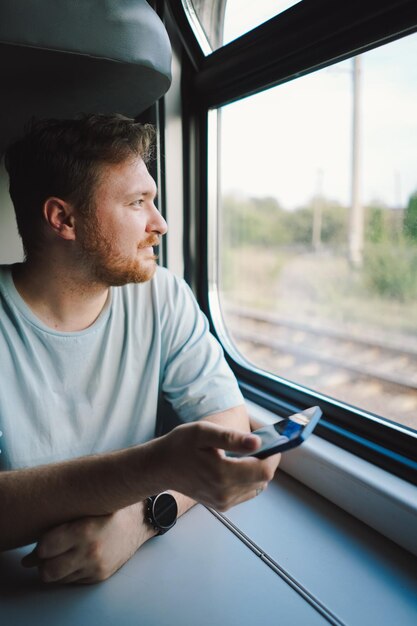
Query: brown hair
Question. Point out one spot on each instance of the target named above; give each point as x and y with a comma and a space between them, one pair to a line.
62, 158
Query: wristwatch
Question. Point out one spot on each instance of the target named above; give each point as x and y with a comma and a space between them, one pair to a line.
161, 512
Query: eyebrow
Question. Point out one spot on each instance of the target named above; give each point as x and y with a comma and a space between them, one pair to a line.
139, 192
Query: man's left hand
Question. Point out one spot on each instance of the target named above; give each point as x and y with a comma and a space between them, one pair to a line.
90, 549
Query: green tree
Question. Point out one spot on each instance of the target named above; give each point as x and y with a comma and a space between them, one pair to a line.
376, 224
334, 224
410, 218
252, 221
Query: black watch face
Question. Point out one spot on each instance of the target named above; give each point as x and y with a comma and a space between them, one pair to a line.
165, 510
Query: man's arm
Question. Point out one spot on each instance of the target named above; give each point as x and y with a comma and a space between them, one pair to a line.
236, 417
92, 548
188, 460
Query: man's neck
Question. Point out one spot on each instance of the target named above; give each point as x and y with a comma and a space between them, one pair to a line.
62, 298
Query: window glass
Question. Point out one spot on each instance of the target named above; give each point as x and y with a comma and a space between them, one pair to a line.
317, 230
218, 22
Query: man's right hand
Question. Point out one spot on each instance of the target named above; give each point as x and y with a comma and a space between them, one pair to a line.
193, 462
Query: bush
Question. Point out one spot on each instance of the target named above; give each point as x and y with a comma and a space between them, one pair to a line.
391, 270
410, 218
253, 222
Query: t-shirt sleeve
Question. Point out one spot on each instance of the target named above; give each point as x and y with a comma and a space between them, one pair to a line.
197, 381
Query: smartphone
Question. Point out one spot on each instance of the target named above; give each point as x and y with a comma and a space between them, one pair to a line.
285, 434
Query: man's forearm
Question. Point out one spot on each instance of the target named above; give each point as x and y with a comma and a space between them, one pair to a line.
237, 417
36, 499
187, 460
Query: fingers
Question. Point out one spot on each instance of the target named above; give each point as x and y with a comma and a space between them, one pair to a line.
269, 467
249, 470
100, 545
203, 471
56, 541
240, 497
76, 577
259, 490
58, 568
53, 543
273, 462
56, 556
70, 567
214, 436
235, 480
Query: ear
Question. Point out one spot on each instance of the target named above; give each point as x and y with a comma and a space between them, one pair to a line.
59, 215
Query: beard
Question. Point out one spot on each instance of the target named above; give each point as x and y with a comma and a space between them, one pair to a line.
108, 266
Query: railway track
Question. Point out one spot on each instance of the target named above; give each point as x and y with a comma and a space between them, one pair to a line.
374, 373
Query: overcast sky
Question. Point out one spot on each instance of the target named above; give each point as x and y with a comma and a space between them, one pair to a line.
295, 140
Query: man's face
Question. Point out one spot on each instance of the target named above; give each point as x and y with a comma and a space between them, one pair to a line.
115, 241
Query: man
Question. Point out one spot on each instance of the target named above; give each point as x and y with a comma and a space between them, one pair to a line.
91, 334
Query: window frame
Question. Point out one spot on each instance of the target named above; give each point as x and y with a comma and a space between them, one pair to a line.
306, 37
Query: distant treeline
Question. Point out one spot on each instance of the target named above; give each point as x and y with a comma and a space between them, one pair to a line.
262, 221
389, 266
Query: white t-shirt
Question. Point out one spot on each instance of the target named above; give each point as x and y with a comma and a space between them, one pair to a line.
68, 394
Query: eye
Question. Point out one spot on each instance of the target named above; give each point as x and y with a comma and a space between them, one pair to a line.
137, 203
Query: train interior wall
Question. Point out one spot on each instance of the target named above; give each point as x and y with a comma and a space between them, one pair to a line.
11, 249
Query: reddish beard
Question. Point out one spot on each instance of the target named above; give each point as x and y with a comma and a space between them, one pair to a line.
111, 267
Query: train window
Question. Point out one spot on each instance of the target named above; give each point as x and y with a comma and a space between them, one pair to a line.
317, 230
219, 22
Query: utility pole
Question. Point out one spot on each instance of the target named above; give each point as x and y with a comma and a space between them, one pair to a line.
317, 212
356, 222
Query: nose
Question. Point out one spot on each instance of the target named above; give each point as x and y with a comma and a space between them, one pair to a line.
157, 223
